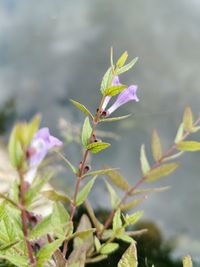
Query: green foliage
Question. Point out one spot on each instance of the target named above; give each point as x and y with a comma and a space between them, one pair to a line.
82, 195
129, 258
97, 147
163, 170
86, 132
114, 90
82, 108
55, 239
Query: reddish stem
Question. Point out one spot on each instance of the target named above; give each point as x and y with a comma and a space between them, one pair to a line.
168, 153
25, 220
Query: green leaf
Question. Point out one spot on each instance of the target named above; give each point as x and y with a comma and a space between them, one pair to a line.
107, 79
115, 118
187, 261
156, 146
15, 148
117, 222
98, 172
82, 195
179, 135
121, 61
127, 66
132, 219
86, 132
96, 259
196, 129
115, 200
124, 237
163, 170
85, 235
17, 260
47, 251
118, 180
114, 90
188, 119
35, 188
55, 196
188, 146
32, 128
41, 229
143, 160
59, 218
129, 258
150, 190
97, 147
132, 204
174, 156
70, 165
82, 108
97, 244
109, 248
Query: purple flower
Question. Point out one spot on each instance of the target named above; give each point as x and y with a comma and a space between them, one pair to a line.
128, 94
42, 142
115, 82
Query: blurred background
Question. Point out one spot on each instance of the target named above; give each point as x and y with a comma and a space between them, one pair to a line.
53, 50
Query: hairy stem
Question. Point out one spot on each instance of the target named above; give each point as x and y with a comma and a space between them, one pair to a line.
24, 219
81, 169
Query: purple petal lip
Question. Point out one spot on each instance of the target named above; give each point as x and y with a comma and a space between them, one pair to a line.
128, 94
42, 142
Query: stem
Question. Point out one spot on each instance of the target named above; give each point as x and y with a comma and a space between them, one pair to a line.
24, 219
168, 153
81, 170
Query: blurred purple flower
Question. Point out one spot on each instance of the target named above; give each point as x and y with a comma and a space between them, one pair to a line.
128, 94
42, 142
115, 82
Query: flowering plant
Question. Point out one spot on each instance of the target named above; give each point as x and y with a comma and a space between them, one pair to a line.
31, 239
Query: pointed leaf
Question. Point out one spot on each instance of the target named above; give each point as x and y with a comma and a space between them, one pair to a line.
47, 251
82, 108
98, 172
82, 195
118, 180
188, 146
70, 165
156, 146
163, 170
150, 190
117, 222
132, 204
15, 149
188, 119
41, 229
132, 219
115, 118
96, 259
114, 90
144, 161
59, 217
129, 258
86, 132
187, 261
97, 147
121, 61
107, 79
179, 134
56, 196
124, 237
97, 243
113, 195
109, 248
127, 66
